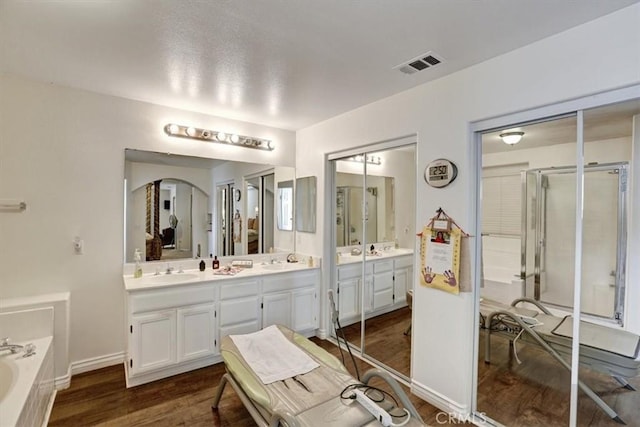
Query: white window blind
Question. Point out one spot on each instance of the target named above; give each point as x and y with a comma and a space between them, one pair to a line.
501, 199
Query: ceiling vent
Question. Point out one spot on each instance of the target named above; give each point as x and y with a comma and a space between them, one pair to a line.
419, 63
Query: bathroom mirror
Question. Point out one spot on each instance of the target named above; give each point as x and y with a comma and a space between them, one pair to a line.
198, 217
285, 205
305, 202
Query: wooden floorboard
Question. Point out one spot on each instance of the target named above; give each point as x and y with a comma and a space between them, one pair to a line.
534, 393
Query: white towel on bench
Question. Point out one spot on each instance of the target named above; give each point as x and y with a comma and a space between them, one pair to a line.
272, 356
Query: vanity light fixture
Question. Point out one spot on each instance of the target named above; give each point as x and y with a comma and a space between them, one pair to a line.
372, 160
208, 135
511, 138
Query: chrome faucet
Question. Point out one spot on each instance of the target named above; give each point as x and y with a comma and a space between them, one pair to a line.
169, 269
13, 348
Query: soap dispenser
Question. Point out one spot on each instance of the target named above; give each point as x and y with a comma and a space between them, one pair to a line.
138, 270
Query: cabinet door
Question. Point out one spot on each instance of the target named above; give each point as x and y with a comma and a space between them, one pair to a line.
402, 284
240, 316
153, 336
304, 310
349, 299
382, 290
196, 332
276, 309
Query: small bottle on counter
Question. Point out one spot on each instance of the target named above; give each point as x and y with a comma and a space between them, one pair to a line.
216, 263
310, 262
202, 265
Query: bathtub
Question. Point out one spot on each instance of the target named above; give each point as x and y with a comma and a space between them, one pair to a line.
501, 284
27, 385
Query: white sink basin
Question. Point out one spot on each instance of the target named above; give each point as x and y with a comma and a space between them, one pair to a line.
172, 278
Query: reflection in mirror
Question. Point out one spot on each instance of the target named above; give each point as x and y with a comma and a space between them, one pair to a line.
224, 214
260, 213
205, 214
171, 210
378, 204
373, 285
306, 204
285, 205
528, 209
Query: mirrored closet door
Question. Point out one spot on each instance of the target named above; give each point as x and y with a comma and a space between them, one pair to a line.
540, 200
374, 238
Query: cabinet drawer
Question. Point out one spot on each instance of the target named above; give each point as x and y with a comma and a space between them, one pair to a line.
161, 299
382, 266
405, 261
288, 281
352, 271
239, 289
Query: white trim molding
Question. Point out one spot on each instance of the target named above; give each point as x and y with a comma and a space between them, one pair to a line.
94, 363
440, 401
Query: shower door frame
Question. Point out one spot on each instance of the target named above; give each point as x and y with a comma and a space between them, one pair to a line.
540, 208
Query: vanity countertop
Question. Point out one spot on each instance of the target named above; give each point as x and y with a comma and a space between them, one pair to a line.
347, 258
152, 281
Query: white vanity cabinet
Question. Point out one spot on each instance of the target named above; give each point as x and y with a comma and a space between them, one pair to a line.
171, 330
382, 284
177, 328
348, 291
383, 288
239, 307
153, 337
291, 300
403, 278
196, 334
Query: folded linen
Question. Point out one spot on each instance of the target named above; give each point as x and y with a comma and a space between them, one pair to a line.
272, 356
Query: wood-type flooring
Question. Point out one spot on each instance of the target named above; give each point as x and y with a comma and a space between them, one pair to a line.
534, 393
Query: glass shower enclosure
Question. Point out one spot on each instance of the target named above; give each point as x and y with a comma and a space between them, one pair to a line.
548, 230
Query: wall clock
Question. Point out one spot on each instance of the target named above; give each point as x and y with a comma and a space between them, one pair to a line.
440, 173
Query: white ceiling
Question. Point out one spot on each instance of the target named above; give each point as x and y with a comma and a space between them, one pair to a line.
284, 63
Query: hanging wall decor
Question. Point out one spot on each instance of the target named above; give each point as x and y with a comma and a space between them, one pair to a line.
440, 249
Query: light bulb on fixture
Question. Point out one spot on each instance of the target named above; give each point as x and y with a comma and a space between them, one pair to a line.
209, 135
511, 138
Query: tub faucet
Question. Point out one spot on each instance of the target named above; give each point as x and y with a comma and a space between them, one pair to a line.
169, 269
13, 348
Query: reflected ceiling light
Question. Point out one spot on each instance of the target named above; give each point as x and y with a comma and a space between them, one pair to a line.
172, 129
371, 160
180, 131
511, 138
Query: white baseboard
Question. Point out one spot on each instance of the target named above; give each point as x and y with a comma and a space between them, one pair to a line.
439, 400
63, 382
94, 363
